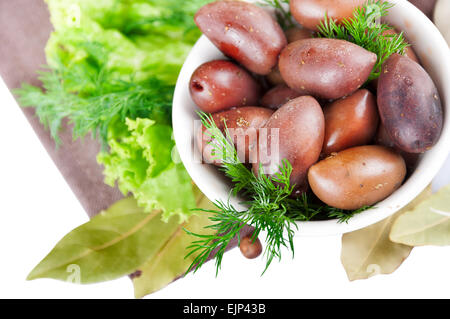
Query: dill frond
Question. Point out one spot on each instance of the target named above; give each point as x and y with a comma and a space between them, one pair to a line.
90, 98
271, 209
364, 30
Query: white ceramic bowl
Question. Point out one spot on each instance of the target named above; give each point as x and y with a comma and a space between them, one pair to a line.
434, 53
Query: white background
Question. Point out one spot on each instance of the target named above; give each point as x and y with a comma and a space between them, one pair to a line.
38, 208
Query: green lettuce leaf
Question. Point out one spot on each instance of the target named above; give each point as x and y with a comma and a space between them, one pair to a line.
140, 161
113, 60
143, 37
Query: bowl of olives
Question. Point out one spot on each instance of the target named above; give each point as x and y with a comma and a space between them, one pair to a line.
362, 130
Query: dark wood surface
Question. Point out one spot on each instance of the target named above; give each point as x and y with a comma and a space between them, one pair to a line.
24, 30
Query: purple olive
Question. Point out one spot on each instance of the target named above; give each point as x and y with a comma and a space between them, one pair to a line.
243, 32
326, 68
279, 96
409, 105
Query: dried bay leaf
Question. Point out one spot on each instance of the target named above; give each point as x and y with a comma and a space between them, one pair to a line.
426, 224
109, 246
369, 251
123, 239
170, 262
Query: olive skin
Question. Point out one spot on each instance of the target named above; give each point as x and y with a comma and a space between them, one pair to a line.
301, 129
309, 13
296, 34
250, 249
351, 121
278, 96
245, 121
274, 77
357, 177
219, 85
409, 105
383, 138
292, 35
244, 32
326, 68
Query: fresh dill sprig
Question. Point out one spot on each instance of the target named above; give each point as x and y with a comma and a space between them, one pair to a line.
91, 98
364, 30
343, 216
284, 16
270, 206
266, 210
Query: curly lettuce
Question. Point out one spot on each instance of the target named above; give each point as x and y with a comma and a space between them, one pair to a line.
140, 161
112, 68
143, 37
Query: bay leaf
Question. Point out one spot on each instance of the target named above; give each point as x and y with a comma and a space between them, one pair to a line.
109, 246
170, 262
369, 251
427, 224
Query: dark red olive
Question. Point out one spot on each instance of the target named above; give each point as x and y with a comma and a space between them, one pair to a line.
243, 124
326, 68
278, 96
292, 35
310, 13
295, 133
295, 34
274, 77
250, 248
219, 85
351, 121
244, 32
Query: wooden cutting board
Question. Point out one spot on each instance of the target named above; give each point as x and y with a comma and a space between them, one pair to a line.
24, 30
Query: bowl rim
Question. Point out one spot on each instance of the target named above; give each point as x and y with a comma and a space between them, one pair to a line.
415, 184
